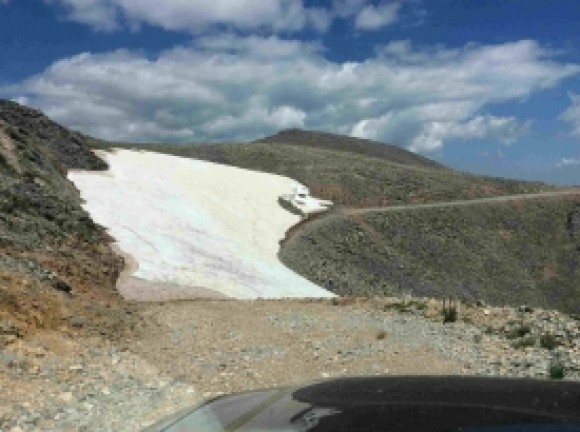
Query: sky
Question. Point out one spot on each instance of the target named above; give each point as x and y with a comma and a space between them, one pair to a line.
490, 87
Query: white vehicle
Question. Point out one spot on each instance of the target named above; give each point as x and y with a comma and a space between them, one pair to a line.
301, 200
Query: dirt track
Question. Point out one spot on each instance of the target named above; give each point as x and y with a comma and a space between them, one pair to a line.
461, 203
322, 218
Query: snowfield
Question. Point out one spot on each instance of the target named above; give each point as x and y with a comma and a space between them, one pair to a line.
191, 228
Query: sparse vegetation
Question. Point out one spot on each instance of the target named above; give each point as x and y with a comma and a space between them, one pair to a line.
524, 342
549, 341
51, 252
519, 332
450, 310
404, 306
556, 370
449, 314
458, 251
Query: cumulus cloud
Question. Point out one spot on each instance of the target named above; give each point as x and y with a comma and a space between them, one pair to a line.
235, 88
572, 114
101, 15
374, 17
196, 16
566, 162
505, 129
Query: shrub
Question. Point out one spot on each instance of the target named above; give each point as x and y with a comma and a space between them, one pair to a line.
450, 314
407, 306
450, 310
549, 341
523, 342
381, 335
467, 320
519, 332
556, 370
489, 330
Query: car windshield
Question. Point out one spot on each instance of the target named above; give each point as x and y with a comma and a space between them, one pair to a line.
211, 206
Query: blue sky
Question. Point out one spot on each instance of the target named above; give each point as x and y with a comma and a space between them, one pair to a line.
483, 86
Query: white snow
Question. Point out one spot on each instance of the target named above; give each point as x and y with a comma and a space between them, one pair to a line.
191, 223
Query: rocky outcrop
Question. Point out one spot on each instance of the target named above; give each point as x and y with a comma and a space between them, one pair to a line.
68, 147
53, 258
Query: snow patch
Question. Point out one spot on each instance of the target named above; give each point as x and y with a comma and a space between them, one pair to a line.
191, 223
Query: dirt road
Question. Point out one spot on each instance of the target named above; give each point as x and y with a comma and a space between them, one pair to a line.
462, 203
323, 218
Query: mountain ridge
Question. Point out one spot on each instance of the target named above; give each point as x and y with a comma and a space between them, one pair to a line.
363, 146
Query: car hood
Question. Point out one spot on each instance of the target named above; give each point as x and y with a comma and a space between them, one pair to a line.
391, 404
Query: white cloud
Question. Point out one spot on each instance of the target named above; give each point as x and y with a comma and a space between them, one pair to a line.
196, 16
566, 162
572, 114
231, 88
375, 17
504, 129
101, 15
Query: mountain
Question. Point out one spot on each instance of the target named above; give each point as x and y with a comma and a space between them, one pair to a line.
358, 174
329, 141
54, 260
503, 253
496, 252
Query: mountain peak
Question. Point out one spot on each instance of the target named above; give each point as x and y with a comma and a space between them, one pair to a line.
331, 141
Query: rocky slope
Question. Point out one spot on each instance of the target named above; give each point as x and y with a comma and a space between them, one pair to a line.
184, 352
504, 253
56, 265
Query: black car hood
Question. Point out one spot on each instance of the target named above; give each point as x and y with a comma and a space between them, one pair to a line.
392, 404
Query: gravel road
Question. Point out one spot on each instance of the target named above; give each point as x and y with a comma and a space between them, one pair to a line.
183, 352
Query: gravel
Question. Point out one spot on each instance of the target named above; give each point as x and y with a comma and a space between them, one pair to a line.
184, 352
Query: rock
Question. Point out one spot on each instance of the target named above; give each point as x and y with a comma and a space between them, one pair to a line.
78, 321
61, 285
11, 359
66, 397
7, 339
8, 327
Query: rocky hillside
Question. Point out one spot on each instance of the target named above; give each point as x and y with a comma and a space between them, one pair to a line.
525, 251
54, 260
351, 172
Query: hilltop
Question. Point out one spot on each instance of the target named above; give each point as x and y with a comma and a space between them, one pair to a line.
349, 171
365, 147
